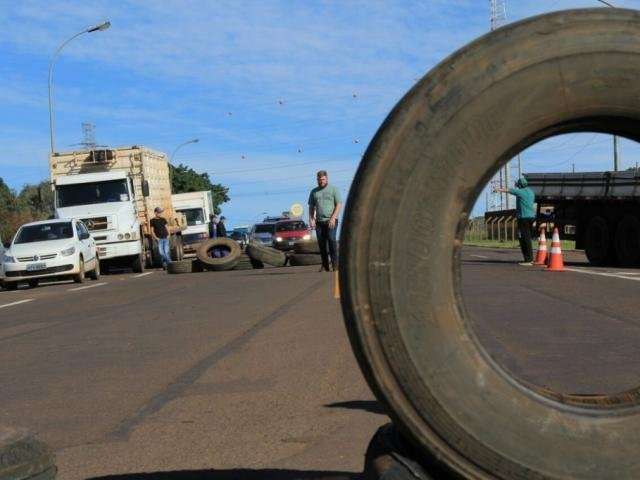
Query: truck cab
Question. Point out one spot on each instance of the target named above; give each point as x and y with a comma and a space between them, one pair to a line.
105, 202
197, 208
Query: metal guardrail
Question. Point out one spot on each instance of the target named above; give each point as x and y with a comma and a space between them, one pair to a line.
498, 228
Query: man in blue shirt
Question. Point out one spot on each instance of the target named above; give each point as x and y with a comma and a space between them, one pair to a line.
526, 215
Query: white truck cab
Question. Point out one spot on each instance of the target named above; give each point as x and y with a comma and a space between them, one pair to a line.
105, 202
196, 207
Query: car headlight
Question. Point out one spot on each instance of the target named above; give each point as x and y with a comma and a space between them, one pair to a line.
307, 237
120, 236
68, 251
127, 236
8, 259
278, 239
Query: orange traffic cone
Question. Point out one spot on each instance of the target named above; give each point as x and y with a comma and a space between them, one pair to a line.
556, 264
541, 256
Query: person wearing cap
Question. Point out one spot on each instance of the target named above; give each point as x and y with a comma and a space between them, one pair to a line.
160, 233
526, 215
324, 207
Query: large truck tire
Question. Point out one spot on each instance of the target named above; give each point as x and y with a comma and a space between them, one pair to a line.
309, 246
244, 263
598, 244
300, 259
404, 227
177, 248
180, 266
627, 241
138, 263
22, 457
205, 254
268, 255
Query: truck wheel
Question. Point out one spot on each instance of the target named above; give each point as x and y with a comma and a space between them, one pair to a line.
147, 246
627, 241
22, 457
402, 237
10, 286
267, 255
598, 242
137, 264
34, 283
80, 276
228, 249
177, 249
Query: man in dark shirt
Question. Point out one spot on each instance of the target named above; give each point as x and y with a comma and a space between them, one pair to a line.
160, 233
221, 228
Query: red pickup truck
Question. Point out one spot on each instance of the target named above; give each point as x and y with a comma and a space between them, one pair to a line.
287, 232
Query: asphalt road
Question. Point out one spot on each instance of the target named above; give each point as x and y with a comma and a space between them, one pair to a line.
246, 372
576, 331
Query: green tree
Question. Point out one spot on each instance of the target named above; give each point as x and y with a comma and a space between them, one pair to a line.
37, 200
186, 179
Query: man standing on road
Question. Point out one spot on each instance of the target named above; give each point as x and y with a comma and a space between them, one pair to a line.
221, 228
212, 225
160, 233
525, 214
324, 207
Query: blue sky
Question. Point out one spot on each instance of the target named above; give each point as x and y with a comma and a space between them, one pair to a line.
274, 90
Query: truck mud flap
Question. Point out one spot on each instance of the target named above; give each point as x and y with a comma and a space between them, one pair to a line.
407, 212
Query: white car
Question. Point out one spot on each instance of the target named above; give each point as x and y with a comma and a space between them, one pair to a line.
51, 249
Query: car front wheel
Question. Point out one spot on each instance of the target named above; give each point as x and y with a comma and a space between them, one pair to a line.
79, 277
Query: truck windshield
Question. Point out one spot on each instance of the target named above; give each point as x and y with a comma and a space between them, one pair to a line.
195, 216
44, 232
95, 192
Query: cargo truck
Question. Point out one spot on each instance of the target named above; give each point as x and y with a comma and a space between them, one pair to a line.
114, 192
196, 207
599, 210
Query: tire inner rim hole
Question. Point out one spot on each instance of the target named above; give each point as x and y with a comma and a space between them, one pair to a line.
573, 335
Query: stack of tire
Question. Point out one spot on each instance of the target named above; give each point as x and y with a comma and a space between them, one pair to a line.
305, 253
218, 255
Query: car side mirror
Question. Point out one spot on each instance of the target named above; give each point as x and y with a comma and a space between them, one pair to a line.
145, 188
84, 236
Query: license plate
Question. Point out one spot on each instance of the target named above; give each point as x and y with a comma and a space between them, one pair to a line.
291, 244
33, 267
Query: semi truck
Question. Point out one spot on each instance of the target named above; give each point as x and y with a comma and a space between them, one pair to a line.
197, 208
114, 191
599, 210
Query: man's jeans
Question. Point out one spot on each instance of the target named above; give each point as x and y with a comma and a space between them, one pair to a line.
165, 250
327, 241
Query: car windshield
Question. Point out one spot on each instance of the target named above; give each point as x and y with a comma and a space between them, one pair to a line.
195, 216
265, 228
44, 232
290, 226
93, 192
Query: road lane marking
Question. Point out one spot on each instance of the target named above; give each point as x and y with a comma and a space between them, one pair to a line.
16, 303
603, 274
88, 286
479, 256
143, 274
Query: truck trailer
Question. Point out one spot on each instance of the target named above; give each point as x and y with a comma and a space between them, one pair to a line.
599, 210
197, 208
114, 192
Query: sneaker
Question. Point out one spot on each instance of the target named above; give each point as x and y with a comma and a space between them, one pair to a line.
526, 264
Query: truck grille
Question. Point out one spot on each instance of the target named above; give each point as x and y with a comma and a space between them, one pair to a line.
97, 223
48, 256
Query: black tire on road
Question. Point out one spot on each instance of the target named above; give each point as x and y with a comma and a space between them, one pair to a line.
598, 244
138, 262
402, 236
180, 266
34, 282
177, 247
23, 457
310, 246
627, 241
268, 255
300, 259
244, 263
205, 254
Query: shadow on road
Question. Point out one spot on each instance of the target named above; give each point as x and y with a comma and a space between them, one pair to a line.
235, 474
367, 405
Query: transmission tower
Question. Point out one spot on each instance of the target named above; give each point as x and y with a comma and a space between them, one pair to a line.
499, 201
88, 136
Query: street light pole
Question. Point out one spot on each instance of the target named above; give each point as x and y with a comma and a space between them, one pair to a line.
173, 154
96, 28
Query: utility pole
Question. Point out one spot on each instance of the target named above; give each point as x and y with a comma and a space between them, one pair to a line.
573, 168
519, 167
615, 153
